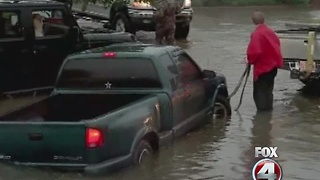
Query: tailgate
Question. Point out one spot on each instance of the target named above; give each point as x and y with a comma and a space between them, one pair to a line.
42, 143
294, 46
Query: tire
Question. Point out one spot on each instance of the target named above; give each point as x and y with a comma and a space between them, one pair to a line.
121, 21
311, 88
222, 108
143, 149
182, 31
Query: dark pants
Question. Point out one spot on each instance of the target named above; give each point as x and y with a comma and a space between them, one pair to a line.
165, 32
263, 91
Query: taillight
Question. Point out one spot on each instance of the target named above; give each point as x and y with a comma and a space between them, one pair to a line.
109, 54
94, 138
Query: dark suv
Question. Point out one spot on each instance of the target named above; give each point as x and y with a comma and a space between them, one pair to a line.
35, 37
131, 16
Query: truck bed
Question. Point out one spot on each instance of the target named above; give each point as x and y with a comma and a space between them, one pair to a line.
59, 137
71, 108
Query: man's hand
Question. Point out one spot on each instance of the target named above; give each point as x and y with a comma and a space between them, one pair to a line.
245, 60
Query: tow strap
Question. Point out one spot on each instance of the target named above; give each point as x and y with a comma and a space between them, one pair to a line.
245, 75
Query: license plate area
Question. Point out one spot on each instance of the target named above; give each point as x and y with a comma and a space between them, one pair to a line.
294, 74
303, 66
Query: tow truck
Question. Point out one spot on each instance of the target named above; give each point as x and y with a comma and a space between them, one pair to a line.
301, 53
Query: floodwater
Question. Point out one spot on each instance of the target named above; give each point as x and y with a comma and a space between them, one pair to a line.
225, 150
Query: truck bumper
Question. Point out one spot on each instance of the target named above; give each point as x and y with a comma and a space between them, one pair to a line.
102, 168
144, 19
109, 166
297, 72
185, 17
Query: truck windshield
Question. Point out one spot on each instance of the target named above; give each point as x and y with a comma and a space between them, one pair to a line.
115, 73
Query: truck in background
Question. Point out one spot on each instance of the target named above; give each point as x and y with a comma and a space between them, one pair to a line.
30, 61
134, 15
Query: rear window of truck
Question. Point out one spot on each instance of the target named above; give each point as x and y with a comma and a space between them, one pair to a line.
115, 73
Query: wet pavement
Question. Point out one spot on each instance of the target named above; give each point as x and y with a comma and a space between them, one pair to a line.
225, 150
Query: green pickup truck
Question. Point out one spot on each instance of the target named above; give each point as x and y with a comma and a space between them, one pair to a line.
111, 106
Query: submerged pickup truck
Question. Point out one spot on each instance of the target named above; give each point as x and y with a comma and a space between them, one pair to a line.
112, 106
31, 54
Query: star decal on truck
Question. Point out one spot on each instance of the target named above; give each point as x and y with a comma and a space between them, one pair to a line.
108, 85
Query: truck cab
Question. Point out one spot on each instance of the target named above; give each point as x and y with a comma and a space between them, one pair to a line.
35, 37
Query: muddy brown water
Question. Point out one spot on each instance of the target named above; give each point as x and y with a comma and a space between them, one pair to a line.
224, 150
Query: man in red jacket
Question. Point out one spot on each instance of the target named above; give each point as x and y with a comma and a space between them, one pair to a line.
264, 53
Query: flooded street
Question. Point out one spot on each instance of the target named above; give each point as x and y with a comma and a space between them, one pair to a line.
225, 150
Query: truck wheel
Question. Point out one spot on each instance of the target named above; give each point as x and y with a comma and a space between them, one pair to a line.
121, 23
182, 31
222, 108
311, 87
142, 151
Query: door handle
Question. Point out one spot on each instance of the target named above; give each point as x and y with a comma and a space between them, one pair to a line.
25, 50
39, 47
35, 136
305, 41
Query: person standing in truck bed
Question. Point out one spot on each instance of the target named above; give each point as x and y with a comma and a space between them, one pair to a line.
166, 21
264, 53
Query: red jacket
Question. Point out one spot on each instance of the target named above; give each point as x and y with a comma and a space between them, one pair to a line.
264, 51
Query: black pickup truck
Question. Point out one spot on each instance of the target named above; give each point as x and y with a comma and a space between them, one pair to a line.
31, 54
111, 106
134, 15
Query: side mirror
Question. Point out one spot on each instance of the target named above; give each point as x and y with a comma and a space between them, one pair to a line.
209, 74
69, 4
76, 17
74, 32
173, 69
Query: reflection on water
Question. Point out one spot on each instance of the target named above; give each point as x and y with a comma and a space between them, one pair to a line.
261, 137
218, 41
